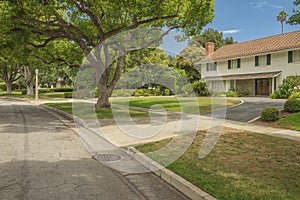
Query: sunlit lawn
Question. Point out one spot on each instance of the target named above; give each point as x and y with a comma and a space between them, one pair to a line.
187, 105
243, 165
292, 122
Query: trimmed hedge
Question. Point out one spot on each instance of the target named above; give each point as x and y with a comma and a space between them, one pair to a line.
68, 94
49, 90
270, 114
292, 105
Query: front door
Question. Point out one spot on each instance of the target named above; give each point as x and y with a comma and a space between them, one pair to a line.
262, 86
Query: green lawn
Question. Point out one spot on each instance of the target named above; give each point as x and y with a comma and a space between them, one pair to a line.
291, 122
187, 104
242, 165
86, 110
17, 94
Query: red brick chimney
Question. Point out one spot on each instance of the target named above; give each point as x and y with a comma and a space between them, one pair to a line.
210, 48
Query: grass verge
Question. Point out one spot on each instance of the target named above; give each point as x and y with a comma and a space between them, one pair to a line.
187, 105
87, 110
243, 165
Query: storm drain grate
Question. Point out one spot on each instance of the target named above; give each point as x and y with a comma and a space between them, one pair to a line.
107, 157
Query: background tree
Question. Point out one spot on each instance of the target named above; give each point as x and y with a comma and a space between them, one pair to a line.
210, 35
282, 18
87, 23
295, 17
187, 58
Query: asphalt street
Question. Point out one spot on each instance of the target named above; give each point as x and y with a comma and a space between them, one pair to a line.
43, 158
249, 110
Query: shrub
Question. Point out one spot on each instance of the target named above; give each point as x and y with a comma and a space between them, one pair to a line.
289, 84
167, 92
292, 105
200, 88
270, 114
273, 96
231, 94
242, 92
68, 94
61, 89
296, 95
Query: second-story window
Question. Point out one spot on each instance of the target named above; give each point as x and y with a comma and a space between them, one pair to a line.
211, 66
234, 64
263, 60
294, 56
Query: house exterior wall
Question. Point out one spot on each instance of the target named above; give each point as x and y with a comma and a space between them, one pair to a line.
279, 62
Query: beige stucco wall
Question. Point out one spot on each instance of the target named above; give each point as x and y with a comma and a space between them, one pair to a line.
279, 62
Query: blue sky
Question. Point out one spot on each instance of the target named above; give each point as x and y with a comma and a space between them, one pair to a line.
244, 20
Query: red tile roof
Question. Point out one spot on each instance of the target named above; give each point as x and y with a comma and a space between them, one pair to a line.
255, 47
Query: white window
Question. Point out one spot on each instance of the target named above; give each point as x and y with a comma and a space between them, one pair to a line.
211, 66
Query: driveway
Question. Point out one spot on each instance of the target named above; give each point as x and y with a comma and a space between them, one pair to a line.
249, 110
43, 158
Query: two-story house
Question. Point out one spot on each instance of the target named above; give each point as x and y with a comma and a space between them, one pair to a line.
258, 66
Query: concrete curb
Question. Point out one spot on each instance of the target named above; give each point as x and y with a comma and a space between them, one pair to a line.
170, 177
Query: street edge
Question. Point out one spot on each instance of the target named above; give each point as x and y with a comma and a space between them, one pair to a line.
170, 177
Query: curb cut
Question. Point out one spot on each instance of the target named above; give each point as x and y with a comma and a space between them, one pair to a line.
170, 177
187, 188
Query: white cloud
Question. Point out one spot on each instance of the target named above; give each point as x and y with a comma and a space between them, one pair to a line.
260, 5
232, 31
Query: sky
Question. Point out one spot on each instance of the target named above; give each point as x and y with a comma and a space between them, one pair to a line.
244, 20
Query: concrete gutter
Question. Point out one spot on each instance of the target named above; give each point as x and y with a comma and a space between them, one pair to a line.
187, 188
170, 177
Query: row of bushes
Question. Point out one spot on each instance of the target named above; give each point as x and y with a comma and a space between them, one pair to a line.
49, 90
292, 105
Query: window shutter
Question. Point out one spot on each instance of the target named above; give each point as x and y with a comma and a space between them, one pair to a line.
238, 63
229, 64
269, 59
207, 67
256, 61
290, 56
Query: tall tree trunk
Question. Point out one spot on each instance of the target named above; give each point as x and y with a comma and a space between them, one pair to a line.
28, 75
29, 88
8, 87
105, 88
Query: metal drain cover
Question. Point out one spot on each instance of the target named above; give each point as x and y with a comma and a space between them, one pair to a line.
107, 157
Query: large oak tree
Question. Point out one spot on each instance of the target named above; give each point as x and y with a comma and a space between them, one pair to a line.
88, 23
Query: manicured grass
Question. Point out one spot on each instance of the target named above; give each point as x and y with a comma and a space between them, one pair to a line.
187, 105
87, 110
243, 165
291, 122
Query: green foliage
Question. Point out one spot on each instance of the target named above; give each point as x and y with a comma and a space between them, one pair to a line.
292, 105
242, 92
2, 87
270, 114
200, 88
123, 93
295, 95
288, 86
49, 90
166, 92
211, 35
231, 94
295, 17
68, 94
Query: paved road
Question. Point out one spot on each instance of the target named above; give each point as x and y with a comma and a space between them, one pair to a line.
249, 110
43, 158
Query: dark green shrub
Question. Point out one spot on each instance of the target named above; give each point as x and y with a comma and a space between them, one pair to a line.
68, 94
61, 90
270, 114
200, 88
292, 105
2, 86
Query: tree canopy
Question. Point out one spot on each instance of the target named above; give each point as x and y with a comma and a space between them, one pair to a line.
84, 24
295, 17
211, 35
